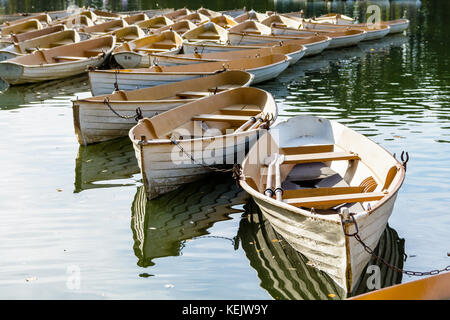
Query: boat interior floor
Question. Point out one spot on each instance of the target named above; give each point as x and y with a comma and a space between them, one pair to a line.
317, 175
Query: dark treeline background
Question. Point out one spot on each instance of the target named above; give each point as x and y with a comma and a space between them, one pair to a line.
311, 8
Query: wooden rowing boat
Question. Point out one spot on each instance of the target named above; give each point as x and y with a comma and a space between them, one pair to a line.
252, 32
23, 27
45, 42
396, 26
135, 54
105, 81
339, 38
129, 33
293, 51
107, 15
284, 26
209, 13
16, 38
149, 13
373, 32
175, 15
314, 180
314, 45
163, 227
224, 21
76, 21
195, 18
286, 274
154, 23
207, 31
105, 28
215, 130
43, 18
436, 287
133, 19
234, 13
37, 33
94, 121
180, 27
57, 63
250, 15
276, 20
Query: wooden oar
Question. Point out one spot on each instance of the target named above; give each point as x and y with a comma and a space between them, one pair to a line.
269, 192
278, 189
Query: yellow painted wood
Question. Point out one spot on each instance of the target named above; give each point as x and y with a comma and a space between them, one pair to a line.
334, 200
319, 157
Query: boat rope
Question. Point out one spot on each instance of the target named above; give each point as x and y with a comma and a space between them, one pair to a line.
383, 261
137, 116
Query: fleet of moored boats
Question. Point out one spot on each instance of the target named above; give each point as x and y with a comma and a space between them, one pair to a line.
184, 75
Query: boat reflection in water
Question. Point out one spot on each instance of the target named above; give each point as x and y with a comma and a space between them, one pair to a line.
162, 226
56, 93
287, 275
105, 165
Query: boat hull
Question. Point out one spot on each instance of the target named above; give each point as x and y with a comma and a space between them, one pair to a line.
335, 42
311, 48
95, 122
19, 74
104, 82
131, 60
164, 168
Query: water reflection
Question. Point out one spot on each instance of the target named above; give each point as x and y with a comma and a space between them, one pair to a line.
162, 226
286, 274
105, 165
49, 93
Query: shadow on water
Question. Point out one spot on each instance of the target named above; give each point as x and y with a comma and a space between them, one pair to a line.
162, 226
286, 274
104, 165
49, 93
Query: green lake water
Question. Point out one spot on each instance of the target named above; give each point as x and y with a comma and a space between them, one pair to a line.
67, 210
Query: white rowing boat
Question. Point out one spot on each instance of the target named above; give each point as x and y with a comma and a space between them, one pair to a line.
136, 18
41, 43
396, 26
106, 81
250, 15
175, 15
135, 54
154, 23
373, 31
208, 31
95, 120
293, 51
196, 18
314, 45
214, 131
314, 180
23, 27
180, 27
209, 13
224, 21
254, 33
57, 63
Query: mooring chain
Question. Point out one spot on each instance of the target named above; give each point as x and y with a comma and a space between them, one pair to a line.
190, 156
137, 116
383, 261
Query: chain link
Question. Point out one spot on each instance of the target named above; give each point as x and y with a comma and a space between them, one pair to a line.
136, 116
395, 268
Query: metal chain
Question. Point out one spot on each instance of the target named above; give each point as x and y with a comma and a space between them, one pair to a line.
395, 268
136, 116
199, 163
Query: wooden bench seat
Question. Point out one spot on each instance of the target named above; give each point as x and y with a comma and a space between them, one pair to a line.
329, 201
307, 149
69, 58
151, 50
319, 157
233, 120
